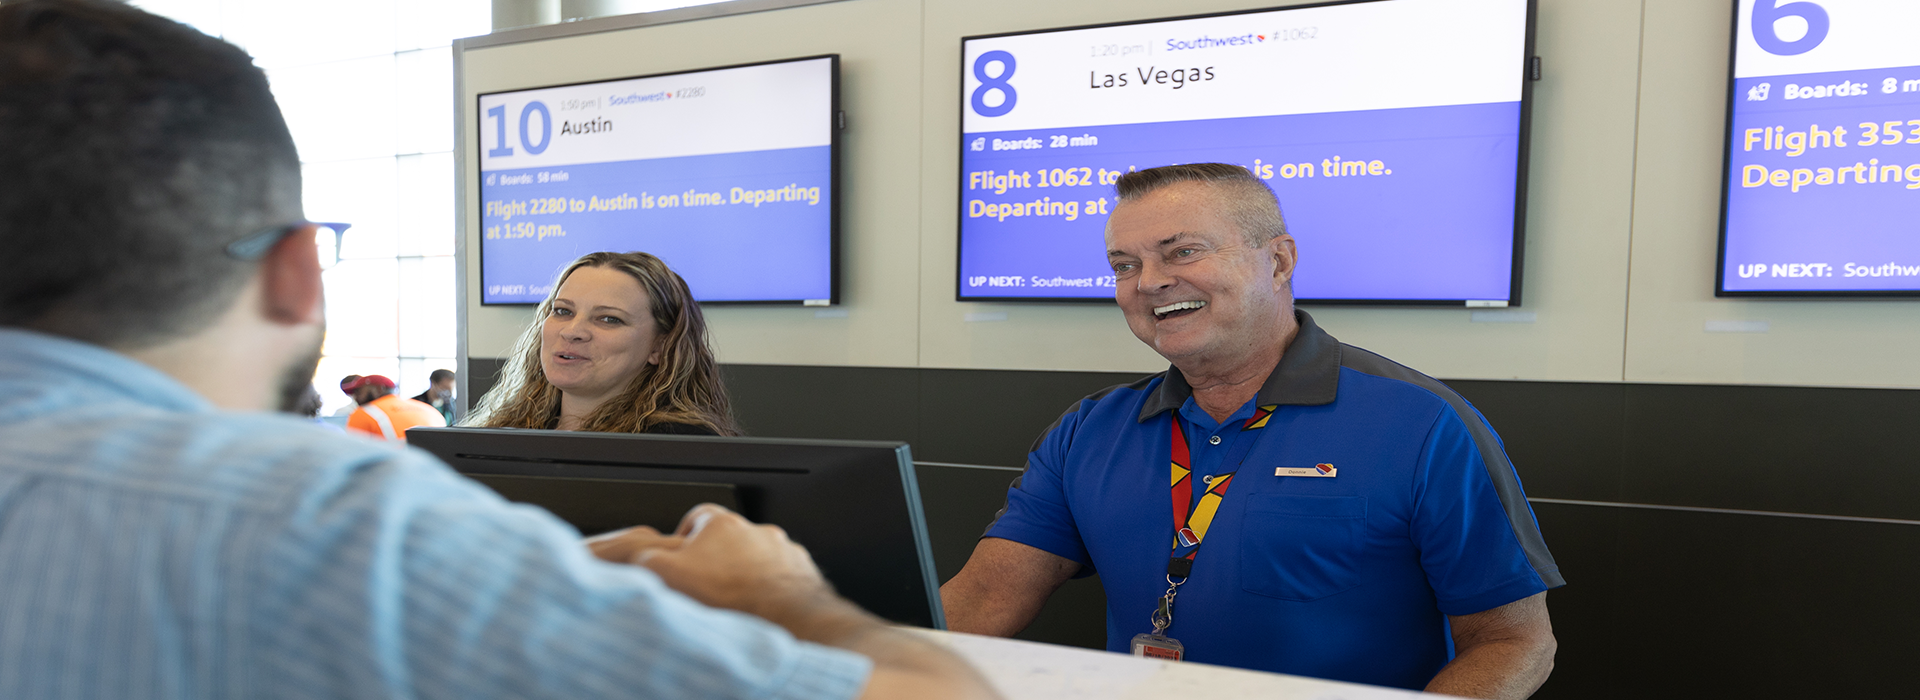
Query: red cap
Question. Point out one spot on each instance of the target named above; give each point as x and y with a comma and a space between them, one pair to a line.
370, 380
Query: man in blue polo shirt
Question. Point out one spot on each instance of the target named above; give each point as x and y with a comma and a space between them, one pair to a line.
1276, 500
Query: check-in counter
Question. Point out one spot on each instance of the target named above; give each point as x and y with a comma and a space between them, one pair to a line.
1023, 670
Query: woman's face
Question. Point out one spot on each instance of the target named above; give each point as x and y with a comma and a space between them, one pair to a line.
600, 335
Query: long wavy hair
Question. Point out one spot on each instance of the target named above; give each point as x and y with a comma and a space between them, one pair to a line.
684, 388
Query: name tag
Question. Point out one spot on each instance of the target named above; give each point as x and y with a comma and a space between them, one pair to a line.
1322, 469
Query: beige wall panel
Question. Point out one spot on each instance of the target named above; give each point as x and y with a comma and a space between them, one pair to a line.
1625, 170
878, 43
1676, 234
1578, 220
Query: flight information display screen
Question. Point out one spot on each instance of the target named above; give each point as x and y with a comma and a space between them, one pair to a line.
1393, 132
1822, 190
727, 174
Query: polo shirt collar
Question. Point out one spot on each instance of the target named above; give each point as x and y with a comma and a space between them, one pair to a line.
1308, 375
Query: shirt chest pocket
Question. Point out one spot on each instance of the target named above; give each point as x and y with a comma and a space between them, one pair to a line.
1302, 548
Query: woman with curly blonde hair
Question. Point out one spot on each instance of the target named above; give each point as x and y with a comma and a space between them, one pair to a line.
618, 346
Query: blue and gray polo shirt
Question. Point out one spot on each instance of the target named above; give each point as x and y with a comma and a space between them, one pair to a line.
1347, 577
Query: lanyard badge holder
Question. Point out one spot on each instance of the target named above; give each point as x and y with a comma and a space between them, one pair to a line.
1190, 523
1156, 644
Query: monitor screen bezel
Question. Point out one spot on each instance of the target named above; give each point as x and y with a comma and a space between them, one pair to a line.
1726, 200
693, 470
1524, 70
834, 127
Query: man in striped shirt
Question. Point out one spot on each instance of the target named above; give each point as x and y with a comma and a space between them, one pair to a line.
163, 535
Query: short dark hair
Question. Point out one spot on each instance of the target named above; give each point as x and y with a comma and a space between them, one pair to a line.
439, 374
136, 149
1250, 203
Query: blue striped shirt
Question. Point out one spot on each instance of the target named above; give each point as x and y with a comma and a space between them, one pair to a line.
153, 546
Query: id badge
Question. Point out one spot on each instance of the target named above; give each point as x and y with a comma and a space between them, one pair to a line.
1155, 646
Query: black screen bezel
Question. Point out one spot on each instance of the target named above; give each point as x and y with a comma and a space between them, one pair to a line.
833, 157
1726, 196
1520, 181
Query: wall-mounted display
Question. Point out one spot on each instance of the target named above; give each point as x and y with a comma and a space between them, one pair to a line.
1822, 189
727, 174
1393, 131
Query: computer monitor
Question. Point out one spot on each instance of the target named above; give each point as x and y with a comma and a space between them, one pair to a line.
855, 505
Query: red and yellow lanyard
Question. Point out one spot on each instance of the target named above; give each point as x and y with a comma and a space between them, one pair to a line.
1192, 519
1190, 523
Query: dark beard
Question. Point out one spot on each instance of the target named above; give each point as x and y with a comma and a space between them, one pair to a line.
297, 379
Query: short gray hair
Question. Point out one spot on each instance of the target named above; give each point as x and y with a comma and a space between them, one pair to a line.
1250, 204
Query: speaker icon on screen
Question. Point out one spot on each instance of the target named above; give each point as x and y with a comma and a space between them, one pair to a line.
980, 144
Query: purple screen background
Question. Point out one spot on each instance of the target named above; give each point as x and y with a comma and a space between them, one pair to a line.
1871, 225
1439, 227
777, 251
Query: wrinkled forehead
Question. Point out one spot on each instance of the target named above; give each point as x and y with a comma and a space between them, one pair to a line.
1183, 211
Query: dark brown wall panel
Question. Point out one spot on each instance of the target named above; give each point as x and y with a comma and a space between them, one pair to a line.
1660, 603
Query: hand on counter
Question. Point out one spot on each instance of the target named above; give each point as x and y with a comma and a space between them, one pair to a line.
721, 559
625, 546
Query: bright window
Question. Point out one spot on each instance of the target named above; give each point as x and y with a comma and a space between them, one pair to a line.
367, 89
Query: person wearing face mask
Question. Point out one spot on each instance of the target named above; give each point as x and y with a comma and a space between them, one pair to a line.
439, 393
619, 346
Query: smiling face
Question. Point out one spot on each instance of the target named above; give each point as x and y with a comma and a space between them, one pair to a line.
600, 335
1190, 284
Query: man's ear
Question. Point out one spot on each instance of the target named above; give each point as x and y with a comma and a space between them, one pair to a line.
290, 280
1285, 257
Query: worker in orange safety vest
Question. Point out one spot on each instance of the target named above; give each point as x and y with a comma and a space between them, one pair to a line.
384, 415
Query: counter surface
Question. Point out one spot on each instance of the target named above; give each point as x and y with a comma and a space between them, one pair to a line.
1023, 670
